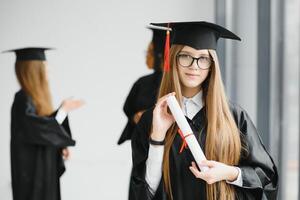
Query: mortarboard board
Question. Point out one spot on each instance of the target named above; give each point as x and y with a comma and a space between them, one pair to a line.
199, 35
30, 53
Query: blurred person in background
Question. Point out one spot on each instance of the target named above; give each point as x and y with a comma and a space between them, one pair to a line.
144, 91
40, 135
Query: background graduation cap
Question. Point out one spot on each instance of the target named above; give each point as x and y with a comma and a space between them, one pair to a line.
198, 35
30, 53
158, 41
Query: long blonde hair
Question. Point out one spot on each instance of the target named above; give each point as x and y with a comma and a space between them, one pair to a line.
223, 143
31, 75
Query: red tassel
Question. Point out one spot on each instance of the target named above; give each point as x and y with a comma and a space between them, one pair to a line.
167, 53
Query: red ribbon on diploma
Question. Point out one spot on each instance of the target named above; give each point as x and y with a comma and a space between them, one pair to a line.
184, 144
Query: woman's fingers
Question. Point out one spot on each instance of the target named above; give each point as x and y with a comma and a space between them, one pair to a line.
164, 107
194, 164
66, 153
161, 104
164, 98
195, 169
74, 104
70, 105
206, 176
79, 102
196, 172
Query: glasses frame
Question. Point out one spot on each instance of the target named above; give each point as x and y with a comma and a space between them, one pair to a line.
194, 58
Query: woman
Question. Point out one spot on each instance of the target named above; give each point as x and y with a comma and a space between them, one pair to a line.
239, 166
143, 94
39, 135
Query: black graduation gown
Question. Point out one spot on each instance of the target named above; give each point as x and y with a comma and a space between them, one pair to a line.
142, 96
36, 145
259, 172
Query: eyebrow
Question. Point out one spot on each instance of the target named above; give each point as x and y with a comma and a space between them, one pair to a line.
202, 54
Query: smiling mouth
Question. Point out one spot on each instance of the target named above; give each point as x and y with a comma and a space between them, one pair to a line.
192, 75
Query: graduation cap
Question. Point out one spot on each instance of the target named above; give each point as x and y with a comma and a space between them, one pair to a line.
198, 35
30, 53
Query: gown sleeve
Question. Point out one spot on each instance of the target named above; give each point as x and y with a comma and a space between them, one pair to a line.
140, 148
259, 173
65, 122
45, 130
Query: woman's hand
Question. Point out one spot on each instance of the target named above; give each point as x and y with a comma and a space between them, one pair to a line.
71, 104
217, 172
65, 153
162, 120
137, 116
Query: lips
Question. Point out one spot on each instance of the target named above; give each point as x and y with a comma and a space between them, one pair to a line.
192, 75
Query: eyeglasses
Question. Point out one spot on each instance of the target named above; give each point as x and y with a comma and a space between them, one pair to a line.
185, 60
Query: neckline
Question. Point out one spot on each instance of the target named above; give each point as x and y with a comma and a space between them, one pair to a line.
202, 110
196, 99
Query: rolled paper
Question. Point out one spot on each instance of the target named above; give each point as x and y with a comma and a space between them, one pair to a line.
187, 131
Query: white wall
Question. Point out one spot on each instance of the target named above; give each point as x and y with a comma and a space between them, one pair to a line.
100, 53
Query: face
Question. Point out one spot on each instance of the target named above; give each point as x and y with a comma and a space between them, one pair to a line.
149, 56
190, 74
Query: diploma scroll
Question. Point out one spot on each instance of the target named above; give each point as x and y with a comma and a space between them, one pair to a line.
187, 131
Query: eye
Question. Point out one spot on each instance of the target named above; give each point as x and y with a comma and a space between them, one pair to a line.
204, 59
185, 60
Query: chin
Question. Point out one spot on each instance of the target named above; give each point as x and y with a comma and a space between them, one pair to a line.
191, 84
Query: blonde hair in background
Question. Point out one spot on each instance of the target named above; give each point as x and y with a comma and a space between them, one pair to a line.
223, 143
32, 78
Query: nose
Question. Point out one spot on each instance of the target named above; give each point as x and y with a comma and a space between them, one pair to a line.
194, 65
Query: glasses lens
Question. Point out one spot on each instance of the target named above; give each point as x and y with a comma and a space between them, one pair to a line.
185, 60
204, 62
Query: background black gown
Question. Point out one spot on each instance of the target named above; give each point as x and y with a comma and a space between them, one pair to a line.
36, 145
142, 96
259, 173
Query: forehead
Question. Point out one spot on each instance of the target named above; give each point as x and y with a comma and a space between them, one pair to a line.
195, 51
